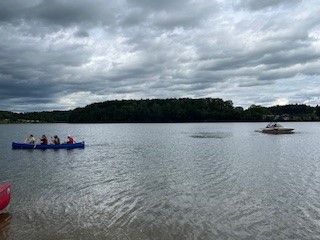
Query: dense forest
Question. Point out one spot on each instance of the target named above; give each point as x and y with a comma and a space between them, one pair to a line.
34, 117
167, 110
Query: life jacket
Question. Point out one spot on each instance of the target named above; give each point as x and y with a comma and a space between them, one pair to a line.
71, 140
44, 141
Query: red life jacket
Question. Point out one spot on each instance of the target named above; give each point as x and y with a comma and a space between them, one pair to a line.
70, 140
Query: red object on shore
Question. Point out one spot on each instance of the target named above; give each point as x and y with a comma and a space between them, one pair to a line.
5, 195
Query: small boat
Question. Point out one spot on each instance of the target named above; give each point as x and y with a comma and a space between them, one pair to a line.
5, 195
16, 145
275, 128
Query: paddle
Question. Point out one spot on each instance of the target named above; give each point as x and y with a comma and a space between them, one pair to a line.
35, 144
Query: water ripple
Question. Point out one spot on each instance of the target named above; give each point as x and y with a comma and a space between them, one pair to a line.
167, 181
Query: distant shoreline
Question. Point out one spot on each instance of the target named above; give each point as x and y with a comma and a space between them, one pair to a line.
182, 110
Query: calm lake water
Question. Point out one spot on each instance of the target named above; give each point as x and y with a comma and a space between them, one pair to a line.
163, 181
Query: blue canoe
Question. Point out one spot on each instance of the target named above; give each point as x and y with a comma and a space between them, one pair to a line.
16, 145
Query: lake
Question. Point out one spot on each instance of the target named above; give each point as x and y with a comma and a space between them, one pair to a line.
163, 181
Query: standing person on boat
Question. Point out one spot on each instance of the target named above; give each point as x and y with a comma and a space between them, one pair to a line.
55, 139
30, 139
44, 140
70, 139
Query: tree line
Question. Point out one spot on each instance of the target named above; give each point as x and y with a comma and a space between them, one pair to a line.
34, 117
167, 110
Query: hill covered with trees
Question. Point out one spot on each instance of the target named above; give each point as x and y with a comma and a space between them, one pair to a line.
167, 110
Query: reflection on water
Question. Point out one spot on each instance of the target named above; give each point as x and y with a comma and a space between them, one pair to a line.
5, 219
164, 181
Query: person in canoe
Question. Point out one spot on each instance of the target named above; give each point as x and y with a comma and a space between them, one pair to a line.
30, 139
70, 140
44, 140
55, 139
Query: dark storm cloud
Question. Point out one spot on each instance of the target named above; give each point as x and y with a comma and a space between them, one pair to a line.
72, 53
14, 10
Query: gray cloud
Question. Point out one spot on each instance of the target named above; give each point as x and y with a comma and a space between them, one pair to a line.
81, 33
262, 4
61, 55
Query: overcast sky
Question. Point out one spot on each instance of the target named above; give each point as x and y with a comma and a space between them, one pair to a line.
63, 54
